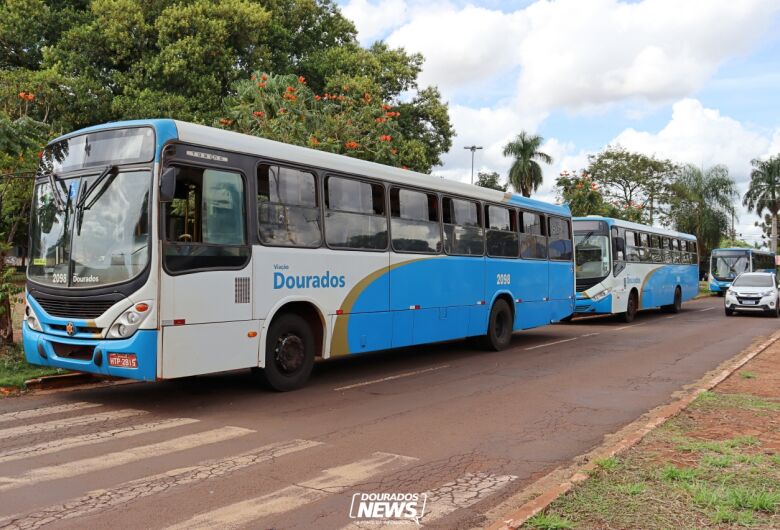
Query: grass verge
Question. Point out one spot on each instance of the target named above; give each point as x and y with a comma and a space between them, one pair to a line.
716, 465
14, 369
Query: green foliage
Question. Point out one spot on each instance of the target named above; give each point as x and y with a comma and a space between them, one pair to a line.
635, 184
583, 195
763, 194
490, 179
525, 174
543, 521
727, 242
702, 204
14, 370
608, 464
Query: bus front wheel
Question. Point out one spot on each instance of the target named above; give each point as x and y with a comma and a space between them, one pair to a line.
631, 308
499, 332
289, 353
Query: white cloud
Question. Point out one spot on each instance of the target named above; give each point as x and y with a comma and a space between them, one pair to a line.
373, 21
581, 53
701, 136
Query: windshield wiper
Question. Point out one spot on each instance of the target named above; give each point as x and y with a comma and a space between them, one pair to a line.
110, 173
59, 202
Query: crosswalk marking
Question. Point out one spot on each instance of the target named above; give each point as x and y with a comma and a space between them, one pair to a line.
45, 411
330, 481
78, 421
462, 492
98, 463
72, 442
99, 500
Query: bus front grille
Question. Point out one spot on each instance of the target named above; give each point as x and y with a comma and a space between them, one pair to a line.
586, 283
74, 308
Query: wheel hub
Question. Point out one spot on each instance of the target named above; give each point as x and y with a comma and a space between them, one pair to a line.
289, 353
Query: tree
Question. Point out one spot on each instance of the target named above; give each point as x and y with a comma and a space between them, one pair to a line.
766, 230
490, 179
525, 175
583, 195
702, 204
763, 194
633, 182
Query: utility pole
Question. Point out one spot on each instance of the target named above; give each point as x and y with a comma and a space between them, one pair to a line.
473, 149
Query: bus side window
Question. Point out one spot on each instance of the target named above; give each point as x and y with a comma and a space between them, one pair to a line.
414, 221
632, 251
355, 214
205, 221
644, 247
667, 249
656, 256
287, 207
502, 238
533, 240
463, 234
559, 241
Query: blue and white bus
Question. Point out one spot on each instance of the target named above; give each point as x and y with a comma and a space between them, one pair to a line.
728, 263
162, 249
623, 267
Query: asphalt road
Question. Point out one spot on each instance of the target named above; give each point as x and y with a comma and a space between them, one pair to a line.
467, 427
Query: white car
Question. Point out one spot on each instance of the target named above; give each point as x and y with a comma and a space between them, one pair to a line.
754, 292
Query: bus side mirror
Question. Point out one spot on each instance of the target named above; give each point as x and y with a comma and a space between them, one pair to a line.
168, 184
620, 245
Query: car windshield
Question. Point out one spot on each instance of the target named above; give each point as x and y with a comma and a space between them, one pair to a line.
591, 255
728, 265
754, 280
104, 241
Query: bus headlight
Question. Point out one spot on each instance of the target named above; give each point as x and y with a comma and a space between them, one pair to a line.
32, 318
127, 323
600, 295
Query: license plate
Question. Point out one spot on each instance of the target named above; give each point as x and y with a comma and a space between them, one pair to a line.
750, 302
123, 360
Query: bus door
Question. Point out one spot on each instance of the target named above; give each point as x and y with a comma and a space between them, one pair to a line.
206, 278
561, 271
533, 284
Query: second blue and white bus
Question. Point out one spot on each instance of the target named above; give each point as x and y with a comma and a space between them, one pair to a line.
728, 263
163, 249
624, 267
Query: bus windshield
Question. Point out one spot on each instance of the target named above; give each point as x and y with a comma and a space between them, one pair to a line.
729, 264
592, 255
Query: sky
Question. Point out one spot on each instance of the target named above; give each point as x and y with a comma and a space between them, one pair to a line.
694, 81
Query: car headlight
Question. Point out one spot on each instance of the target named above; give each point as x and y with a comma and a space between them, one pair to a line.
32, 318
600, 295
770, 292
128, 322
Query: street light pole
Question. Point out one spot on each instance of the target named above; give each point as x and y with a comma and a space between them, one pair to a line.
473, 149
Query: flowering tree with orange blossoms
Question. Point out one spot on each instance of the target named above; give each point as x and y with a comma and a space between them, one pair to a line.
348, 118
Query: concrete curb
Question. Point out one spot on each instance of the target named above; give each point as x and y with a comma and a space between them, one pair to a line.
539, 495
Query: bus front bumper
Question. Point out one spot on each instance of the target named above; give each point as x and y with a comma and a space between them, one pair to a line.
719, 287
585, 305
91, 355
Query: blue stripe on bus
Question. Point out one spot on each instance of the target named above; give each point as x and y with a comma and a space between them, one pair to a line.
442, 298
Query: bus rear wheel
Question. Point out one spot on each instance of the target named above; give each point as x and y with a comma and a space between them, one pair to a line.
499, 332
675, 306
289, 353
631, 308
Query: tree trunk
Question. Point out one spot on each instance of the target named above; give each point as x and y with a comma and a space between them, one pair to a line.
6, 320
773, 241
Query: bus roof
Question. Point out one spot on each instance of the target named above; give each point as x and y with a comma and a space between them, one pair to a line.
744, 249
244, 143
611, 221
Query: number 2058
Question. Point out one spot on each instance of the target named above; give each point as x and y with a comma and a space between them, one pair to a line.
503, 279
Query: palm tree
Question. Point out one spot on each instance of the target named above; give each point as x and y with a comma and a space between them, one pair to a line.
702, 204
525, 175
764, 192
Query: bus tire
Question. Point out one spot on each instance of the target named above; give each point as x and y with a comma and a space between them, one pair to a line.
631, 308
500, 324
289, 353
675, 306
